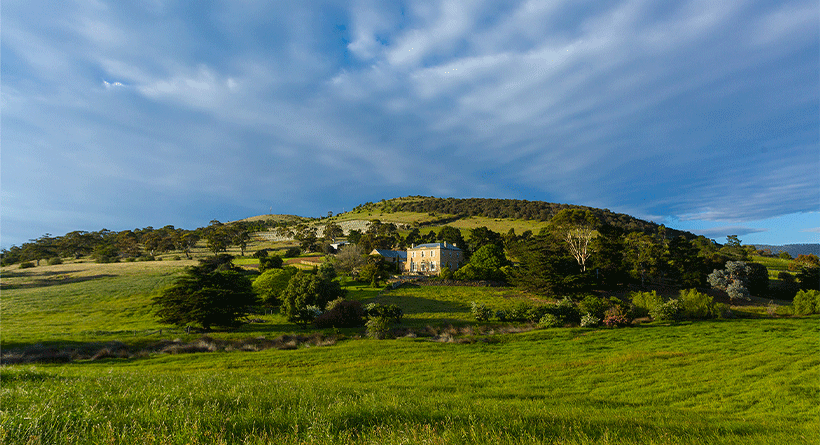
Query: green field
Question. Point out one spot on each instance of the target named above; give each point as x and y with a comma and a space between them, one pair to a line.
744, 380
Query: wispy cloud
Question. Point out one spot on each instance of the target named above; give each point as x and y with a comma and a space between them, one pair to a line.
692, 109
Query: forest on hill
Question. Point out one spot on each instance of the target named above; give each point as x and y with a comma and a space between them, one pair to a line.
513, 209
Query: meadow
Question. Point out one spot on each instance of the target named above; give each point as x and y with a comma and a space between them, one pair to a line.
742, 380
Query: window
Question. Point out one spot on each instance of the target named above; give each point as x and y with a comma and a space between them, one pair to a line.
432, 265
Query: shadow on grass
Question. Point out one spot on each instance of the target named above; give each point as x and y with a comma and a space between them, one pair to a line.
53, 281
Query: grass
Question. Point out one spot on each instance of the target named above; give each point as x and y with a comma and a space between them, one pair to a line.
709, 382
693, 383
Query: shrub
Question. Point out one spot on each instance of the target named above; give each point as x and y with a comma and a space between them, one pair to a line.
270, 262
519, 312
590, 321
549, 321
645, 302
391, 313
55, 261
292, 252
806, 302
666, 311
26, 265
535, 313
378, 327
593, 305
342, 314
446, 273
617, 316
696, 305
480, 311
566, 310
501, 315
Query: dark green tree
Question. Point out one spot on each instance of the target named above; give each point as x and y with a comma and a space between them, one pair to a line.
211, 294
487, 263
451, 235
545, 267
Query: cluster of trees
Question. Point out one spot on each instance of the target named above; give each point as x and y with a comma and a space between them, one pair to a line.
577, 252
109, 246
104, 245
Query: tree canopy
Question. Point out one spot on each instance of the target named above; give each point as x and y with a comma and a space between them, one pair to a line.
211, 294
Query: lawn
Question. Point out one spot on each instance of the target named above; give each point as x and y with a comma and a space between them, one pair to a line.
707, 382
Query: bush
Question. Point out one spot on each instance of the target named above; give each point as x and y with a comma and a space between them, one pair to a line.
480, 311
807, 302
590, 321
668, 311
518, 312
617, 316
535, 313
26, 265
549, 321
342, 314
292, 252
501, 315
645, 302
378, 327
270, 262
594, 306
55, 261
566, 311
697, 305
305, 290
391, 313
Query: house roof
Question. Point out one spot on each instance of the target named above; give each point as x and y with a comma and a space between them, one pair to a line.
444, 246
391, 253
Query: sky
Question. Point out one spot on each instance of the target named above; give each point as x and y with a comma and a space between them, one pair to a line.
702, 115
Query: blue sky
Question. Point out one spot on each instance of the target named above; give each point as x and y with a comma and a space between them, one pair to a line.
702, 115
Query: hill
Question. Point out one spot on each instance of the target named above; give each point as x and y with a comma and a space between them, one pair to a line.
499, 215
793, 249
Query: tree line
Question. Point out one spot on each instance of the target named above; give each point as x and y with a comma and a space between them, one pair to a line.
107, 246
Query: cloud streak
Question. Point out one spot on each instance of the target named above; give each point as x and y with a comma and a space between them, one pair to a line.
688, 110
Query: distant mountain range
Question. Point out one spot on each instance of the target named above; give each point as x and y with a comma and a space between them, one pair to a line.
793, 249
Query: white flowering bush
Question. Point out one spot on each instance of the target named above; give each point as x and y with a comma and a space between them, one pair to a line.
590, 321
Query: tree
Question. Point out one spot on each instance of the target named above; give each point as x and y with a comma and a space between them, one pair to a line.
451, 235
270, 285
577, 228
332, 231
211, 294
482, 236
350, 257
733, 280
306, 291
487, 263
544, 267
218, 237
